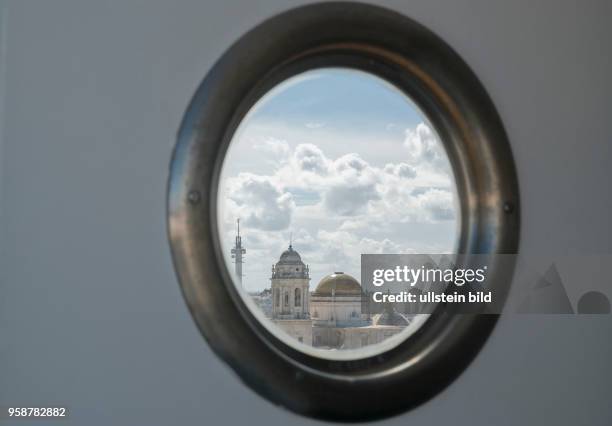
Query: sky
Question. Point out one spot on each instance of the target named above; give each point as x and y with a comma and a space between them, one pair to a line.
342, 163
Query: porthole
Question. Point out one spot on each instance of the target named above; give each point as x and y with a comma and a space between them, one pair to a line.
313, 129
329, 164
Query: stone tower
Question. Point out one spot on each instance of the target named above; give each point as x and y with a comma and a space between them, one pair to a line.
291, 297
290, 281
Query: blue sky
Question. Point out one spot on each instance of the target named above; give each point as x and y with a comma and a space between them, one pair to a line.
347, 164
343, 99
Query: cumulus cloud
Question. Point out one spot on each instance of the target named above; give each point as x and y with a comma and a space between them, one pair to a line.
349, 199
306, 242
402, 170
351, 165
260, 202
423, 147
310, 158
340, 207
369, 245
347, 186
352, 187
437, 204
341, 250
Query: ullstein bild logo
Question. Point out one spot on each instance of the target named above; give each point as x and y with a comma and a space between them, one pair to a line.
424, 283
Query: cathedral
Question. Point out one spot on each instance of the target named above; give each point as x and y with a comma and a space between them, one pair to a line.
331, 316
290, 296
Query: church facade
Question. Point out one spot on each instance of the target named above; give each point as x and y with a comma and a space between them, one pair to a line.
290, 283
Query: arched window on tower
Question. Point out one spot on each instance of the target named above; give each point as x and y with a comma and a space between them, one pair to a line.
298, 297
286, 298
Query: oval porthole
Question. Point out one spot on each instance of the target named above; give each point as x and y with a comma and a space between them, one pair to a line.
326, 133
330, 164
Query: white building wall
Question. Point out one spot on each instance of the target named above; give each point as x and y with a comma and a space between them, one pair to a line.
336, 310
300, 330
285, 304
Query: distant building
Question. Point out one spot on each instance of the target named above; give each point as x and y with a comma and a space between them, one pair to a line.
331, 317
290, 296
338, 320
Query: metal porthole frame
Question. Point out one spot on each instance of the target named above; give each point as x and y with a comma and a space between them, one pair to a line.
418, 62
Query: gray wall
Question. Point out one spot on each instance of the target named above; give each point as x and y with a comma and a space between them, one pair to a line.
91, 316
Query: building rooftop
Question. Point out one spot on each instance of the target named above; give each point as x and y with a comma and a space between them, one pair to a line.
340, 284
290, 257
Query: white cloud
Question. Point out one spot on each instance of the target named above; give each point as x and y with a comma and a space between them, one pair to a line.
402, 170
438, 204
423, 147
276, 148
259, 201
352, 186
310, 158
339, 207
348, 186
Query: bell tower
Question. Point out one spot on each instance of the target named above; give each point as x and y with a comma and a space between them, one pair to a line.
291, 296
290, 282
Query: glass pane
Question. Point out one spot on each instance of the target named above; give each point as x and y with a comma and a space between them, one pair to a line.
331, 164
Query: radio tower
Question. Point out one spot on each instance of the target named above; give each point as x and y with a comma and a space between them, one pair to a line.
237, 252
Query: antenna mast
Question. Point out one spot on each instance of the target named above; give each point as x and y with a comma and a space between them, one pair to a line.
237, 252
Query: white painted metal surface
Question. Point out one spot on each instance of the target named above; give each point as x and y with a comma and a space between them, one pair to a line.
91, 315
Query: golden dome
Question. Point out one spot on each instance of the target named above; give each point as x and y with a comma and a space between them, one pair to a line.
340, 283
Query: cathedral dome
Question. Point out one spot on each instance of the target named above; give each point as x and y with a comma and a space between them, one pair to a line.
290, 257
340, 283
290, 265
